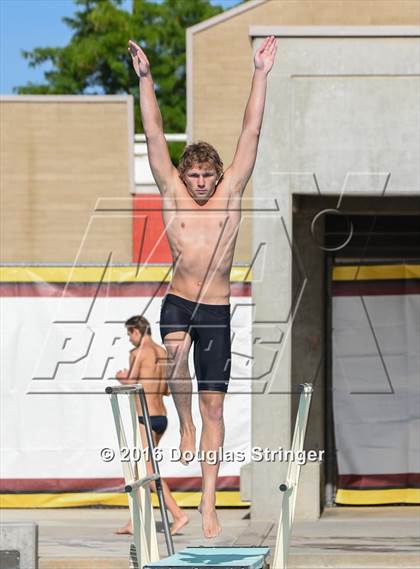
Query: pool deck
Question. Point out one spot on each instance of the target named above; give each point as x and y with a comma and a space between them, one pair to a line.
343, 538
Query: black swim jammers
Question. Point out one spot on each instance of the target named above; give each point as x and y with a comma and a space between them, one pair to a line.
209, 328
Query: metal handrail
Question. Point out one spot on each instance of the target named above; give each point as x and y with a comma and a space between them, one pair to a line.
290, 486
142, 513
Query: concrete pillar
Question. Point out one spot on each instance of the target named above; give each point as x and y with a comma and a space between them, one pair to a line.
331, 127
19, 545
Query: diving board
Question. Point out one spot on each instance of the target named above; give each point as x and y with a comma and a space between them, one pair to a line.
144, 552
215, 557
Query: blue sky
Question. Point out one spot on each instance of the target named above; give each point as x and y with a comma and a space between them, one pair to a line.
25, 24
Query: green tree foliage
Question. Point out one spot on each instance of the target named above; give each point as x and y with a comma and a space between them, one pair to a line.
96, 60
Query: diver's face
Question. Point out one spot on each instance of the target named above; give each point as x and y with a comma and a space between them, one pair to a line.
201, 181
134, 336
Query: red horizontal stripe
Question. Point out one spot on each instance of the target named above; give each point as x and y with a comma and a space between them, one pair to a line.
56, 485
92, 289
382, 288
195, 482
13, 485
383, 481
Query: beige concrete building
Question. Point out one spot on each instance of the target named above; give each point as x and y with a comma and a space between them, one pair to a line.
61, 158
220, 63
341, 119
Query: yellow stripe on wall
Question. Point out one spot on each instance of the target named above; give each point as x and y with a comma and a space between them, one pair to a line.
78, 499
163, 273
143, 273
376, 272
372, 497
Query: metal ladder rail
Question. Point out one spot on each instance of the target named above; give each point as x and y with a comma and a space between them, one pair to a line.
140, 486
146, 548
156, 471
289, 488
137, 480
143, 479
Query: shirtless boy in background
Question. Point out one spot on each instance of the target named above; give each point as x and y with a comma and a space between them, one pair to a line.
147, 366
201, 214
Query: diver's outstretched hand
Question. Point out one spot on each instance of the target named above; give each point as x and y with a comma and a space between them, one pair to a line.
140, 62
265, 55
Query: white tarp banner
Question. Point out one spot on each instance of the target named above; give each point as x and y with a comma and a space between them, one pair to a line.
57, 357
376, 396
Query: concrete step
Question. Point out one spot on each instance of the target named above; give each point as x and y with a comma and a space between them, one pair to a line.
83, 563
355, 561
297, 561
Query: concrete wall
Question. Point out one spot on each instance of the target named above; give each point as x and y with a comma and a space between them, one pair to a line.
220, 64
59, 156
316, 88
19, 545
220, 55
346, 121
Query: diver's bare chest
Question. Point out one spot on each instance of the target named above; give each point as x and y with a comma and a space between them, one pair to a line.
199, 226
192, 222
189, 236
187, 217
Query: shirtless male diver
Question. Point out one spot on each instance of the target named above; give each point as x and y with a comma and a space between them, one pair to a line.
147, 365
201, 214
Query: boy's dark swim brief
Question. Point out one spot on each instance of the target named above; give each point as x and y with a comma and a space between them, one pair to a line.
209, 328
159, 423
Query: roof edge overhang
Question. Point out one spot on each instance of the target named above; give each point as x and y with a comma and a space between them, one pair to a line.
224, 16
233, 12
334, 31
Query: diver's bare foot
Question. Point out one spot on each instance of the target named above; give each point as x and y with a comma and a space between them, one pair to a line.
210, 522
187, 446
125, 530
179, 523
